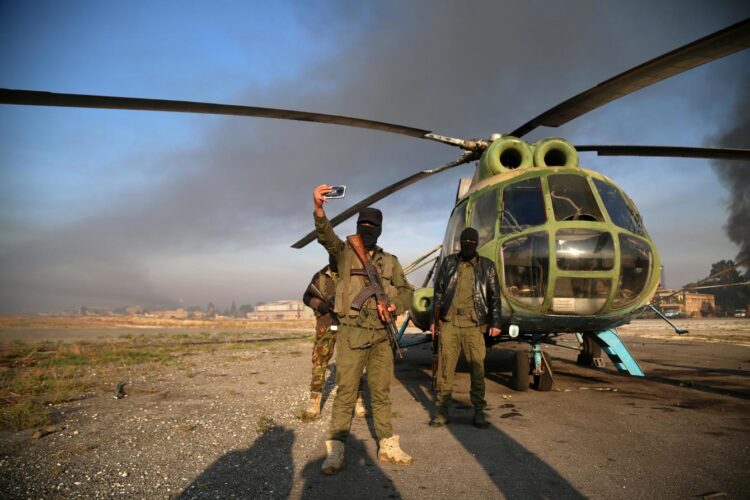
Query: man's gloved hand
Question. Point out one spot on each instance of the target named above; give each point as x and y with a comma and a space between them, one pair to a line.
323, 308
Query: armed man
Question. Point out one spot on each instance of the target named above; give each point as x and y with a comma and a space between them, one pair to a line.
319, 296
363, 329
467, 302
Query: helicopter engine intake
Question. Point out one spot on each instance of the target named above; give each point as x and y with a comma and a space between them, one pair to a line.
554, 152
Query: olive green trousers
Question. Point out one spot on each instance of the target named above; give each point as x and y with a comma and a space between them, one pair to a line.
351, 361
452, 339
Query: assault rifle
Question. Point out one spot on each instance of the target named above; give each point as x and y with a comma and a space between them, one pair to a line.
436, 347
375, 287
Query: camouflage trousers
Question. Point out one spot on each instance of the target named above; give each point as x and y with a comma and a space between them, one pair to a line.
325, 340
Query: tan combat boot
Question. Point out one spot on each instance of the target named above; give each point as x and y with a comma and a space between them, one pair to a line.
334, 461
313, 410
359, 408
390, 451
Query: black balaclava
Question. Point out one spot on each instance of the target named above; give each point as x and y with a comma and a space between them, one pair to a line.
371, 232
332, 264
469, 238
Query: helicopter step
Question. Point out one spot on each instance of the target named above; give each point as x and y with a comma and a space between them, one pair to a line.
611, 344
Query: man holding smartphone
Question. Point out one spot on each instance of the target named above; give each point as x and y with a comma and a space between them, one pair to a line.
363, 341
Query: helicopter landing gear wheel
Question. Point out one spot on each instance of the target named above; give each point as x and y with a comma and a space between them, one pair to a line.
521, 368
544, 382
591, 353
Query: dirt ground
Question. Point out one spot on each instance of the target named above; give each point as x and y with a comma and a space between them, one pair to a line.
224, 423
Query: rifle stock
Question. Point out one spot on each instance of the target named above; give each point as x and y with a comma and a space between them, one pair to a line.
376, 285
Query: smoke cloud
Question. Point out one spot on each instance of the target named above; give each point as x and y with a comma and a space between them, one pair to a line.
736, 175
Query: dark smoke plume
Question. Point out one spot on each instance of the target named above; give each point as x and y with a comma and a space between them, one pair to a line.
735, 175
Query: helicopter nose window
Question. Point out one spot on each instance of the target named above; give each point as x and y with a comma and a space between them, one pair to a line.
635, 269
523, 206
584, 250
619, 210
526, 268
581, 296
572, 198
484, 216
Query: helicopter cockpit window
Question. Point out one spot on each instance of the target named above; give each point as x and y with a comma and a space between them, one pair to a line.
584, 250
572, 198
619, 210
526, 268
484, 216
456, 224
523, 206
635, 269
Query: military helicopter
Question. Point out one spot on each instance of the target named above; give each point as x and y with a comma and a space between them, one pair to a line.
571, 250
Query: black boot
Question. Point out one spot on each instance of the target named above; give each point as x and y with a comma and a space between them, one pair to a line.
480, 421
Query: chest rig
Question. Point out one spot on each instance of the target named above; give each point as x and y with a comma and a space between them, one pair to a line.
352, 281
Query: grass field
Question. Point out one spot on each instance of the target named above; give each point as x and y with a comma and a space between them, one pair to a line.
35, 376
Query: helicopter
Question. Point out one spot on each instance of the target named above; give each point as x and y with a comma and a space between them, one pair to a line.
571, 250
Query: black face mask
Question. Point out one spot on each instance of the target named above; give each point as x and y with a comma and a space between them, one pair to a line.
468, 250
369, 235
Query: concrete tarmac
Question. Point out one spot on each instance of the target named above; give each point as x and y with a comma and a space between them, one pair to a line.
683, 431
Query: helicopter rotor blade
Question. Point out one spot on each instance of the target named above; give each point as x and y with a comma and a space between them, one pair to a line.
704, 50
669, 151
396, 186
37, 98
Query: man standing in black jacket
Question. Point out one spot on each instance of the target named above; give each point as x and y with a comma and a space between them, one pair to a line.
467, 293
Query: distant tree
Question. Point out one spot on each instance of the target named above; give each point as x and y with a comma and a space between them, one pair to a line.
210, 310
194, 309
246, 308
233, 310
728, 298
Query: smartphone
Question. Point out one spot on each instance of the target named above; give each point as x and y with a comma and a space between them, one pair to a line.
336, 192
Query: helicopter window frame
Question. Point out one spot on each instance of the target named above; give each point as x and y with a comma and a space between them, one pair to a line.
484, 216
514, 224
619, 207
516, 283
630, 246
589, 209
456, 224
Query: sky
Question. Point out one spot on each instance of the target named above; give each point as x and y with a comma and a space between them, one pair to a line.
111, 208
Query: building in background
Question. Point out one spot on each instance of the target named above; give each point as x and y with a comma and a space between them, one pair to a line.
684, 303
282, 310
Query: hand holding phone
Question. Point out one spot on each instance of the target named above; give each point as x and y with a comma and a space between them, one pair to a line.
335, 193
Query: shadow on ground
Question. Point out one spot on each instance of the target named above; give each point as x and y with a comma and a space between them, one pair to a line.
514, 470
265, 470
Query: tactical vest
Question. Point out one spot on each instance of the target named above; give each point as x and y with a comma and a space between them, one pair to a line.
350, 285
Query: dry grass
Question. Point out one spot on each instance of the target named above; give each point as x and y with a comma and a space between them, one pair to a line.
7, 322
33, 377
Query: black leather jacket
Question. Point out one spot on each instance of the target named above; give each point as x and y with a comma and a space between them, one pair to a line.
486, 289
